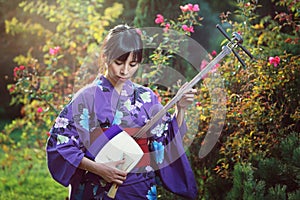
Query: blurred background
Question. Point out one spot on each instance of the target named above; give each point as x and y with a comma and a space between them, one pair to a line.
43, 43
12, 46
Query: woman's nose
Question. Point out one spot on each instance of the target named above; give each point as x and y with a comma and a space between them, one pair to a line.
125, 69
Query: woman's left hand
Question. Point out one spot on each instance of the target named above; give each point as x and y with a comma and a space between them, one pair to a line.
186, 99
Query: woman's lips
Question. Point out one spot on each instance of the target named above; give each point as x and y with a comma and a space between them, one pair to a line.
123, 78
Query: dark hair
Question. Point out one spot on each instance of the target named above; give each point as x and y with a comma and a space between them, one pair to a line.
120, 42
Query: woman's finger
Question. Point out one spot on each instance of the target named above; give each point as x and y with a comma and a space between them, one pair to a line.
118, 164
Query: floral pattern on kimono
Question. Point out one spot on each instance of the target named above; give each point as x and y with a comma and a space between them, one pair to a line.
98, 105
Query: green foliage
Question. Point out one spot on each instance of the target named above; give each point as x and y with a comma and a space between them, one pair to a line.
263, 103
275, 177
283, 165
146, 8
263, 106
45, 76
244, 184
26, 177
169, 43
44, 79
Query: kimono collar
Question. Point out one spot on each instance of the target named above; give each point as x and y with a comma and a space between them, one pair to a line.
127, 90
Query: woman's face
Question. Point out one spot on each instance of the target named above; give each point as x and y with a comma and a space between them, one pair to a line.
120, 71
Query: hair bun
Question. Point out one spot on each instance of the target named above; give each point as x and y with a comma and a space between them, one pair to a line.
120, 28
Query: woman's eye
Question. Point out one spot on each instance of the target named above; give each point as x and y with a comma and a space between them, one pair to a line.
118, 62
133, 63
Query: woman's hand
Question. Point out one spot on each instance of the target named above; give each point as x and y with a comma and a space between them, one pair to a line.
186, 100
108, 171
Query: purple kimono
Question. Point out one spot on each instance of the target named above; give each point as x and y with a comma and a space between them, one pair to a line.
99, 105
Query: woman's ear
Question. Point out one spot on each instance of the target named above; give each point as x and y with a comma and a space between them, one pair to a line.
104, 58
105, 61
103, 64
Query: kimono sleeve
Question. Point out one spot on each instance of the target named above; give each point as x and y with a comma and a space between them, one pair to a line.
64, 149
70, 137
171, 162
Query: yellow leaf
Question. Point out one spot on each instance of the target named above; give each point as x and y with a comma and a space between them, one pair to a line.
115, 11
73, 44
261, 39
203, 117
258, 26
5, 148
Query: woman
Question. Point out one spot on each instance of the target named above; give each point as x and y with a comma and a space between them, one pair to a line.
112, 99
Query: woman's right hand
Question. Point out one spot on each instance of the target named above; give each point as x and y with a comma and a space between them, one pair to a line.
111, 173
108, 171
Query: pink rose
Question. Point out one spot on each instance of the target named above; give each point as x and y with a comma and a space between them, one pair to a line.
138, 31
16, 69
159, 19
12, 89
196, 8
184, 8
213, 53
188, 29
39, 110
167, 27
22, 67
54, 51
204, 63
191, 29
274, 61
190, 6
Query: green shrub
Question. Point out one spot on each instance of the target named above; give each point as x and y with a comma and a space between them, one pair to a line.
67, 31
263, 106
275, 177
263, 99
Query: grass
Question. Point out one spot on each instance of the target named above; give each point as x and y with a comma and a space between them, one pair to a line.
24, 175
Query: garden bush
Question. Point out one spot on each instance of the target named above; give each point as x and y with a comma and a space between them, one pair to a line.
44, 78
262, 107
273, 177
